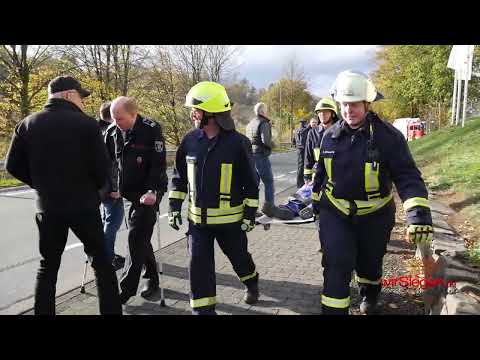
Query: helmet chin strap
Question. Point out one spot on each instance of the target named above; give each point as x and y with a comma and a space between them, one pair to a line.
205, 117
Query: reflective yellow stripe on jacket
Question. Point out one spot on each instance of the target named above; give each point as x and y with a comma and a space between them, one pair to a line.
364, 207
251, 202
416, 201
225, 185
191, 174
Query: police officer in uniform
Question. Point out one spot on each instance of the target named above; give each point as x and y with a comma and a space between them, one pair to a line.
214, 167
360, 157
137, 144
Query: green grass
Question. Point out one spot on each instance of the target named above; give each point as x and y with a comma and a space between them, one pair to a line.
7, 181
450, 160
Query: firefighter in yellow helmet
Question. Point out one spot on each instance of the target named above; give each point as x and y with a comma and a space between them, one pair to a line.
361, 156
327, 113
214, 167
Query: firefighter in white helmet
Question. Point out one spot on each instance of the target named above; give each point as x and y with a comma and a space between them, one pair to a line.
361, 156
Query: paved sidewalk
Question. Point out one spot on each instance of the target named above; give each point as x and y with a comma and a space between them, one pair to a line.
290, 278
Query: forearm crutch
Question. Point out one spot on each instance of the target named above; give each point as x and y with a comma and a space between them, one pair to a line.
160, 264
82, 288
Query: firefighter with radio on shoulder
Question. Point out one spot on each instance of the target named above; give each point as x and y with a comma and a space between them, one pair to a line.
361, 156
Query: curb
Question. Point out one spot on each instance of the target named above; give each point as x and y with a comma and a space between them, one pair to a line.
14, 188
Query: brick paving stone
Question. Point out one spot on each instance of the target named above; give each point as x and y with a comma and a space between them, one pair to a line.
290, 279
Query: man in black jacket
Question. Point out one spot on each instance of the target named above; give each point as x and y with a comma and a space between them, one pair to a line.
138, 146
299, 141
59, 152
112, 203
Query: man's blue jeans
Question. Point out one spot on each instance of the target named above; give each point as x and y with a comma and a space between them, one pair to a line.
264, 169
112, 217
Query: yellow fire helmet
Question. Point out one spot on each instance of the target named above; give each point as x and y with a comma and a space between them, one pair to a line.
208, 96
326, 103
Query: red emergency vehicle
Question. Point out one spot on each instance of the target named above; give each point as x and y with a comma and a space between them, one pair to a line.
415, 130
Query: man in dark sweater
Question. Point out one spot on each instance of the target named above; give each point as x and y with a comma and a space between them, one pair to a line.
59, 152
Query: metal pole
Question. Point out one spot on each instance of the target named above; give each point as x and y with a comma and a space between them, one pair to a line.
465, 94
160, 265
454, 98
459, 99
82, 288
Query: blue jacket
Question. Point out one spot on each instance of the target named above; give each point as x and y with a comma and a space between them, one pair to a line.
357, 168
219, 177
312, 151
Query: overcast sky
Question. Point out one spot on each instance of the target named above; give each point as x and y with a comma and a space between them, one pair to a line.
264, 64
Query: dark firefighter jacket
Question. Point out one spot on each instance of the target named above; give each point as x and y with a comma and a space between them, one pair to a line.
312, 151
357, 168
219, 176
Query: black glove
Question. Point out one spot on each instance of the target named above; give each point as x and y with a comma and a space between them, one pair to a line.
175, 219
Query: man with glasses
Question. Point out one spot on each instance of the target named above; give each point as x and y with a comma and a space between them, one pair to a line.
60, 153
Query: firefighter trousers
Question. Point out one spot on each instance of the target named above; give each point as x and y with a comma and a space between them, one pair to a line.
353, 244
234, 244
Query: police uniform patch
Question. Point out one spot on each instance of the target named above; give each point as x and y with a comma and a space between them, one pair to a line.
158, 146
149, 122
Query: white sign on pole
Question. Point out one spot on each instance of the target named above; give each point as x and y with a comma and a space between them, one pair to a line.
461, 58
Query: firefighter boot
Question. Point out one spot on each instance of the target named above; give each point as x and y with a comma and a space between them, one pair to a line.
251, 293
369, 294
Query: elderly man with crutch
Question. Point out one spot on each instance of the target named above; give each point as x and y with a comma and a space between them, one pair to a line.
138, 146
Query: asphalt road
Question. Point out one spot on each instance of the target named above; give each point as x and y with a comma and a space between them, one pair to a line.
19, 254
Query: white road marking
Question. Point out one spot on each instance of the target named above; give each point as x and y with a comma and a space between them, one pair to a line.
293, 172
73, 246
279, 176
13, 193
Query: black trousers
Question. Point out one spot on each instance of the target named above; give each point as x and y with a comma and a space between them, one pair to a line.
53, 233
348, 246
301, 164
141, 221
234, 244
